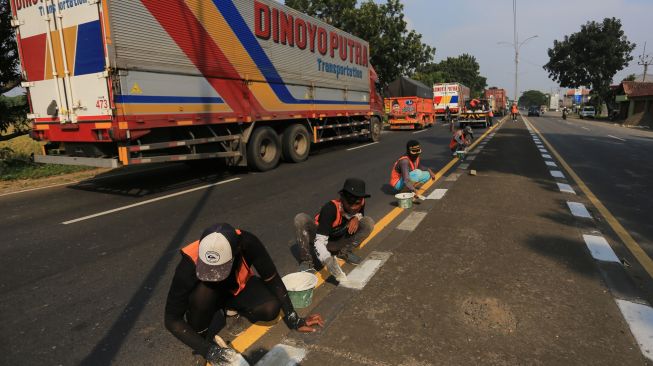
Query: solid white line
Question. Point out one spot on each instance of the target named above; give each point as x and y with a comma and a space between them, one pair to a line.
37, 188
578, 209
556, 174
411, 222
419, 131
147, 202
362, 146
437, 194
640, 320
618, 138
281, 354
600, 249
361, 275
566, 188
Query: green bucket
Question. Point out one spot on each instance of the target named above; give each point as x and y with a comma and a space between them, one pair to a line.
405, 200
300, 287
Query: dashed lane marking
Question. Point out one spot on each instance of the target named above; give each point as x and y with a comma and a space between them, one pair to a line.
550, 163
420, 131
362, 146
578, 209
640, 321
470, 158
464, 166
557, 174
585, 128
413, 220
600, 249
566, 188
437, 194
543, 151
282, 354
452, 177
361, 275
618, 138
546, 156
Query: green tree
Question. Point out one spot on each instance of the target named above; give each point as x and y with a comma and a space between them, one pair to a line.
394, 50
462, 69
630, 77
591, 57
533, 98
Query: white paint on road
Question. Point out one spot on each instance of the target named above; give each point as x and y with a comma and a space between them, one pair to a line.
437, 194
546, 156
452, 177
543, 150
578, 209
362, 146
464, 166
282, 354
585, 128
148, 201
618, 138
557, 174
640, 320
420, 131
37, 188
470, 158
361, 275
600, 249
565, 188
412, 221
550, 163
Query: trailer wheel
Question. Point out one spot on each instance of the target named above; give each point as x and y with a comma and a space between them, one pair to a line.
263, 149
375, 129
295, 143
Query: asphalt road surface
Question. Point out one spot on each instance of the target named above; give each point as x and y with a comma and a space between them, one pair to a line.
84, 269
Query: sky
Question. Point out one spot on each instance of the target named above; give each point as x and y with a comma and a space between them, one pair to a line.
476, 26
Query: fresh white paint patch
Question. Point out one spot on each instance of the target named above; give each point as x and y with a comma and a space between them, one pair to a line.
148, 201
578, 209
282, 354
419, 131
452, 177
543, 150
412, 221
550, 163
361, 275
464, 166
585, 128
546, 156
470, 158
556, 174
618, 138
437, 194
566, 188
600, 249
640, 320
362, 146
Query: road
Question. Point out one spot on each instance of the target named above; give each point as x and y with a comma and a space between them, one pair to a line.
92, 291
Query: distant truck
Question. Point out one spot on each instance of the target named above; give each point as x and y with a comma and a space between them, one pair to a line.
113, 83
452, 95
409, 105
475, 117
497, 99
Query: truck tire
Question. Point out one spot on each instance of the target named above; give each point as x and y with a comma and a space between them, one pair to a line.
375, 129
263, 149
295, 143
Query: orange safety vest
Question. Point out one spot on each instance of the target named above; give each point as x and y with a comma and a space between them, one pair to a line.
453, 142
243, 273
395, 176
514, 109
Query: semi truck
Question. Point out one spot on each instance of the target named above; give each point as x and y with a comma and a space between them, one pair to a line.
452, 95
114, 83
497, 98
409, 105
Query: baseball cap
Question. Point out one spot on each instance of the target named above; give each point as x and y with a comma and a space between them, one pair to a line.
354, 187
216, 254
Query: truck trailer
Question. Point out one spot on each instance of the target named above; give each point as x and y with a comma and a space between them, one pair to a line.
114, 83
409, 105
452, 95
498, 99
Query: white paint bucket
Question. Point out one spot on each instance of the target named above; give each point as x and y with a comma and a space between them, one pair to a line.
300, 287
405, 200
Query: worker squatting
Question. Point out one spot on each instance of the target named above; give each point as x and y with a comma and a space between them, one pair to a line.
285, 29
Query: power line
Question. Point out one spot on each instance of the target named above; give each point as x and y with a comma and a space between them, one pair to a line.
645, 60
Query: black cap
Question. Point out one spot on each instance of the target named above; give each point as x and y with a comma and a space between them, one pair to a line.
355, 187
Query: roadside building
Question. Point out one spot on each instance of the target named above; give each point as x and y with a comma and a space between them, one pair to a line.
635, 103
574, 98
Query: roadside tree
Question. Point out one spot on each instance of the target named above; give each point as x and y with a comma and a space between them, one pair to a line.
533, 98
591, 57
462, 69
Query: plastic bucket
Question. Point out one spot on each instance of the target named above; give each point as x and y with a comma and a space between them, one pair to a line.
460, 154
405, 200
300, 287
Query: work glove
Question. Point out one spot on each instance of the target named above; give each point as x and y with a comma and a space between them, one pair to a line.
334, 268
221, 356
294, 321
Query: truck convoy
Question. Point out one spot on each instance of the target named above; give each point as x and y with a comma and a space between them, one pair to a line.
409, 105
453, 95
115, 83
497, 99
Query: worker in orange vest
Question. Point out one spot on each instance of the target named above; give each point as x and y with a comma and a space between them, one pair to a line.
340, 227
513, 111
214, 274
408, 173
461, 139
474, 104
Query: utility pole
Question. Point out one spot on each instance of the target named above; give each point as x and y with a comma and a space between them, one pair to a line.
514, 31
645, 60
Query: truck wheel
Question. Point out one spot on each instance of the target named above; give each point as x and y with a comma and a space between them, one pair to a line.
375, 129
263, 149
295, 143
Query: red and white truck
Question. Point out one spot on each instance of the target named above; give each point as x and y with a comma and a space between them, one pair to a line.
409, 105
115, 83
452, 95
497, 99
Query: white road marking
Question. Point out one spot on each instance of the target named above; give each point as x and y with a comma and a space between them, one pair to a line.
470, 158
437, 194
600, 249
464, 166
362, 146
566, 188
420, 131
618, 138
550, 163
556, 174
585, 128
147, 202
546, 156
578, 209
543, 151
282, 354
37, 188
640, 320
361, 275
452, 177
412, 221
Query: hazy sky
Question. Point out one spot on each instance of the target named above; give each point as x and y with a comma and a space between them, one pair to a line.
475, 27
